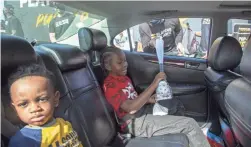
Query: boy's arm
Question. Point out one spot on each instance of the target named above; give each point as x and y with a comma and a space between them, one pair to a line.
152, 99
179, 32
145, 35
134, 105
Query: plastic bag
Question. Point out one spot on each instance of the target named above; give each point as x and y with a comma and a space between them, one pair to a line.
159, 110
163, 92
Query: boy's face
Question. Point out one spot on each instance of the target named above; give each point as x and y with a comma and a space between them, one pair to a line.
34, 99
118, 64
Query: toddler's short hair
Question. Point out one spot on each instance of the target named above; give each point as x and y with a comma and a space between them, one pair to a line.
31, 70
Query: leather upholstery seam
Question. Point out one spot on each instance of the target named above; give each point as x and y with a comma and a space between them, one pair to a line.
236, 116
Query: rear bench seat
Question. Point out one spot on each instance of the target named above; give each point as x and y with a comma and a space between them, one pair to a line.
82, 102
93, 109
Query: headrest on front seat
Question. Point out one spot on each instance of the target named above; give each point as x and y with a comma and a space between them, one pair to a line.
245, 65
225, 53
91, 39
67, 57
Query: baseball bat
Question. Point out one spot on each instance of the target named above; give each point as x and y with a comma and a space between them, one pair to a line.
160, 52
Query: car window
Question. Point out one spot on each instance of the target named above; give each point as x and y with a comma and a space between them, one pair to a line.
187, 37
240, 29
47, 21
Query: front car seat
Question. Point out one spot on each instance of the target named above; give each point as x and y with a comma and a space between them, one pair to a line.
224, 55
238, 101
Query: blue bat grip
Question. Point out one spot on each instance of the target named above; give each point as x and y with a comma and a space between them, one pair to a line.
161, 67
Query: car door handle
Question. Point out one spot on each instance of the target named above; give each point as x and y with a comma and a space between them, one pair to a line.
192, 65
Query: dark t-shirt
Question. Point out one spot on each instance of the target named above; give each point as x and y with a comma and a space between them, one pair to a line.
13, 23
169, 29
60, 24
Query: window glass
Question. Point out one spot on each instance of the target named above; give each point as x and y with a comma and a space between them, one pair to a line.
240, 29
47, 21
187, 37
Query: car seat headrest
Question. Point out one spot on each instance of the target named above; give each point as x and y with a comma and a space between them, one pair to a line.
67, 57
91, 39
225, 53
16, 51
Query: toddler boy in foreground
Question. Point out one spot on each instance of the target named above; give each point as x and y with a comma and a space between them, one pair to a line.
34, 97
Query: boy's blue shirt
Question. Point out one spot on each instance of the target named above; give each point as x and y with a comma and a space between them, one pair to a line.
57, 133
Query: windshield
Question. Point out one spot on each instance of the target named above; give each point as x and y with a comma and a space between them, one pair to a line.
45, 21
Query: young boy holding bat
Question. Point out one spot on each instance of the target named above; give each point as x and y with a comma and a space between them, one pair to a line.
134, 116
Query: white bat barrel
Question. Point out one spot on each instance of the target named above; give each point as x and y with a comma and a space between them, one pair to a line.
160, 52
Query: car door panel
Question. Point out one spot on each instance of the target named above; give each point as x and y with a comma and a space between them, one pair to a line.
143, 71
185, 76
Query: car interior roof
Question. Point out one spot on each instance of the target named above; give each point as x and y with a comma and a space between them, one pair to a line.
145, 7
124, 14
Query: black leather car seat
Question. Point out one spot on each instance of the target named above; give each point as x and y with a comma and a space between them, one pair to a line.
57, 62
238, 101
225, 54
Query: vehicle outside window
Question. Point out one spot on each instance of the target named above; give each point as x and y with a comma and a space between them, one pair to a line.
47, 21
240, 29
188, 37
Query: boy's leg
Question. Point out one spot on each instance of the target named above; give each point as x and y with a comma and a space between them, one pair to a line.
149, 125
